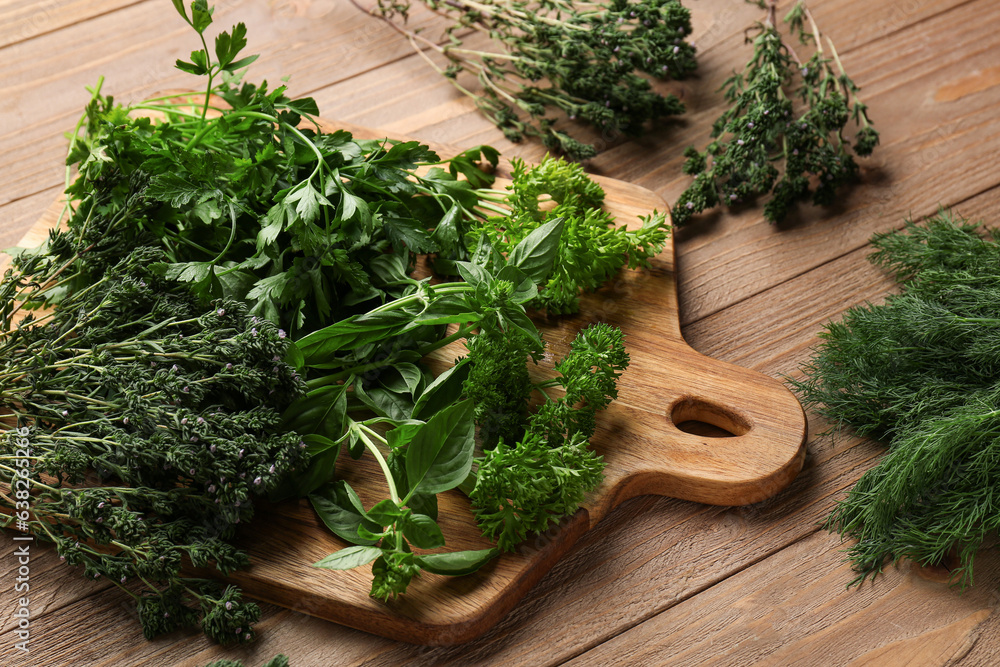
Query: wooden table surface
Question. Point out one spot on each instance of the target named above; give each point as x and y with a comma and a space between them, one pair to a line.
659, 581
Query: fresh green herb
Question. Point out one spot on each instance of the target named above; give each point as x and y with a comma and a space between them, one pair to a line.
765, 142
420, 459
522, 489
581, 60
160, 394
247, 205
922, 373
499, 384
149, 424
591, 250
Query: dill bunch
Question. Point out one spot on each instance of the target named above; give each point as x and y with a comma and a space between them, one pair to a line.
783, 133
920, 372
587, 61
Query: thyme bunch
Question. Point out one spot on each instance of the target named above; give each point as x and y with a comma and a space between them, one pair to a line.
149, 423
783, 133
920, 372
586, 61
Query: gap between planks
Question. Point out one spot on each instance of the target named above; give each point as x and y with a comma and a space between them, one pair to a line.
995, 188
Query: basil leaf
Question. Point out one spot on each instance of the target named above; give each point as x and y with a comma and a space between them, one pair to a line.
537, 251
423, 532
321, 346
456, 563
444, 391
319, 472
402, 378
294, 357
384, 513
440, 455
320, 411
334, 505
403, 434
386, 403
448, 309
424, 503
349, 558
472, 273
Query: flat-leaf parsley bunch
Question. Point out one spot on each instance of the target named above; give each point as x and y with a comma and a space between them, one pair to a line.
249, 199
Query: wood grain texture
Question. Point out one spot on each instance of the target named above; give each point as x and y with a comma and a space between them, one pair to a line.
668, 383
749, 293
793, 609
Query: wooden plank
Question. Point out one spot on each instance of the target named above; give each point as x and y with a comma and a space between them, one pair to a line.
113, 639
23, 21
793, 609
51, 583
16, 218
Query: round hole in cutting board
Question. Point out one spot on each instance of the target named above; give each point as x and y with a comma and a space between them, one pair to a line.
704, 418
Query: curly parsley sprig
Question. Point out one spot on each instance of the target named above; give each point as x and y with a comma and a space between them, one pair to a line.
542, 477
783, 133
582, 60
591, 249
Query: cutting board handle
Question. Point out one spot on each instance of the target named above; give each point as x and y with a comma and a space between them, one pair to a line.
653, 455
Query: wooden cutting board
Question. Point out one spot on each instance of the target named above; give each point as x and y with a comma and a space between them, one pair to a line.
667, 384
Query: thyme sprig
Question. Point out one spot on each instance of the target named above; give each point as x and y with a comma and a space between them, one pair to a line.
583, 61
783, 132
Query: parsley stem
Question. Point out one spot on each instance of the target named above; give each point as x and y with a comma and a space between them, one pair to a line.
95, 93
211, 75
162, 107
